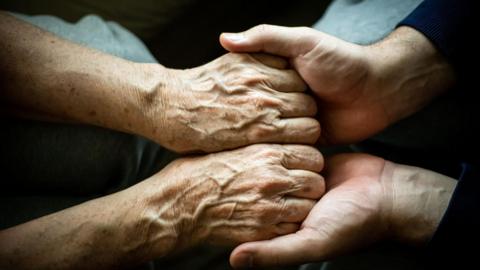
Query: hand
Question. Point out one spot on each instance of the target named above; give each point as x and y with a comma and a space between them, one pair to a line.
360, 89
249, 194
227, 198
367, 199
233, 101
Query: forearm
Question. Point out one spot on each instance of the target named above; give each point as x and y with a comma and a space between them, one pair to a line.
419, 199
43, 76
111, 232
408, 72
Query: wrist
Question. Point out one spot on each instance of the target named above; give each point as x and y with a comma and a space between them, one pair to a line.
170, 211
145, 111
118, 224
418, 199
408, 72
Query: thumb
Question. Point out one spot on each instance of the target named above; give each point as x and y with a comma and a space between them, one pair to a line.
278, 40
283, 250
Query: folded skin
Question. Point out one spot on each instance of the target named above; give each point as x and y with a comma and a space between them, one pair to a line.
233, 101
253, 193
367, 200
360, 89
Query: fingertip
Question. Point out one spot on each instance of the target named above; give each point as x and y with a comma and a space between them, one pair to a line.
302, 130
303, 157
232, 41
315, 129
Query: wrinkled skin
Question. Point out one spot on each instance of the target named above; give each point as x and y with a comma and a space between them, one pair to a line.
233, 101
367, 199
249, 194
360, 89
227, 198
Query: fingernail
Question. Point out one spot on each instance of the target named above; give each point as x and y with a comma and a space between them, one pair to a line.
245, 260
234, 37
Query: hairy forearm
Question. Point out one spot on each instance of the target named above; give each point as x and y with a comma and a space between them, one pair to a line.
409, 69
44, 76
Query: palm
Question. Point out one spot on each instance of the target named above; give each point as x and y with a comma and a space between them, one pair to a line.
349, 214
347, 217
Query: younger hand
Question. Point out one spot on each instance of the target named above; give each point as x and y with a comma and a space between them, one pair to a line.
368, 199
360, 89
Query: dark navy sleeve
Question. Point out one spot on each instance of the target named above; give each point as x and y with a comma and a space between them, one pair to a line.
449, 25
456, 239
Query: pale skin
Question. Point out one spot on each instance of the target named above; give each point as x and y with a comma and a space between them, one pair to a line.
360, 90
252, 193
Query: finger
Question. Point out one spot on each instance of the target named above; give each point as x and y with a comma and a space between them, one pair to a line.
307, 184
301, 130
278, 40
289, 249
235, 234
295, 209
285, 81
302, 157
297, 105
275, 79
271, 61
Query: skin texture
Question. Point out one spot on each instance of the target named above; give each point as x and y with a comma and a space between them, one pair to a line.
45, 77
253, 193
367, 199
236, 100
227, 198
360, 89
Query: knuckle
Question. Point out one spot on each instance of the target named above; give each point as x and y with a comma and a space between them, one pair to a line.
266, 214
269, 184
262, 28
316, 157
252, 78
272, 153
259, 133
266, 102
321, 185
304, 29
314, 131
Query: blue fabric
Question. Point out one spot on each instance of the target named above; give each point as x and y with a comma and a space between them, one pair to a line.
364, 21
460, 224
449, 25
94, 32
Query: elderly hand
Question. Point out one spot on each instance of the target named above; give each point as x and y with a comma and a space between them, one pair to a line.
253, 193
360, 89
233, 101
227, 198
367, 199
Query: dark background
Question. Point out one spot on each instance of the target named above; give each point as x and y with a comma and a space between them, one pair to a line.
180, 33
